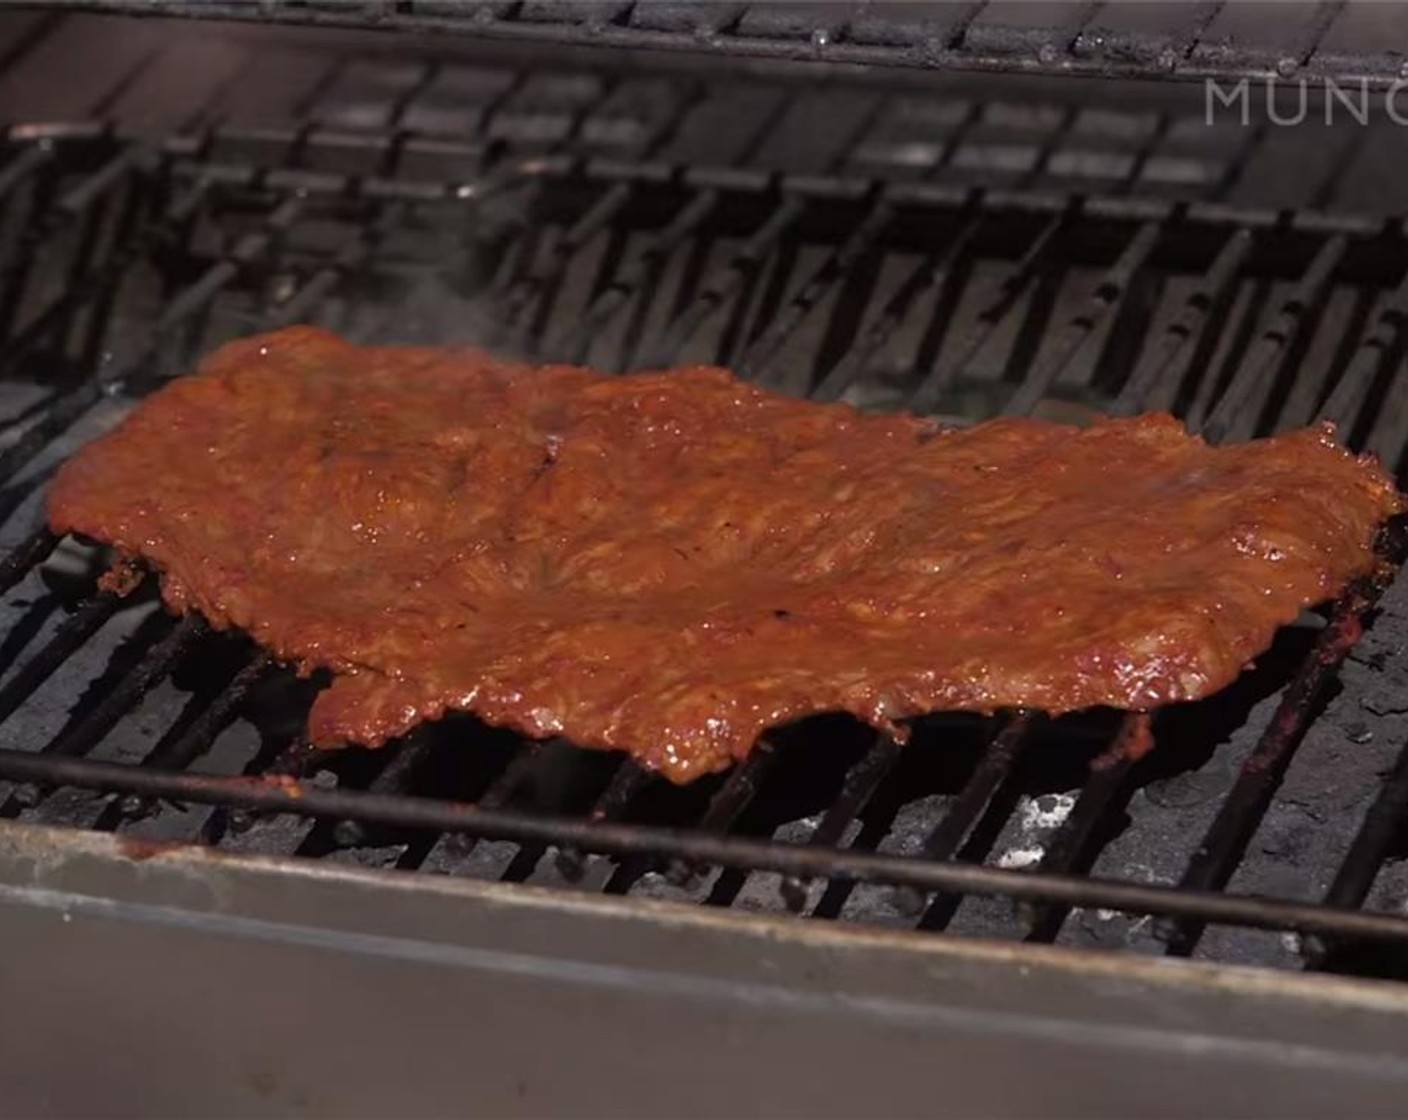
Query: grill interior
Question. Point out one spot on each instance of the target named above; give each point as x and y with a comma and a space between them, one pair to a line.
1349, 40
968, 251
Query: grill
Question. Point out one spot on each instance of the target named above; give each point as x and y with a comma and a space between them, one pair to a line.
988, 247
1339, 41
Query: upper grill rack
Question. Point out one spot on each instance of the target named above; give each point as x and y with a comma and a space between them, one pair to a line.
125, 260
1348, 41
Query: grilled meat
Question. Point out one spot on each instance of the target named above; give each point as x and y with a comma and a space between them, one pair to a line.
670, 563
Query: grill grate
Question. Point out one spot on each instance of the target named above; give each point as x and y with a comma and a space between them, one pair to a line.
128, 259
1344, 40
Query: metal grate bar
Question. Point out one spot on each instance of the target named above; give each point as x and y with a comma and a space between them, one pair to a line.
1017, 26
1363, 37
1133, 39
738, 789
1380, 831
1348, 396
25, 557
85, 281
17, 256
353, 256
1326, 13
942, 844
1258, 366
84, 203
396, 778
1383, 825
29, 162
1102, 794
992, 770
67, 639
724, 282
89, 731
754, 362
933, 271
67, 209
1158, 32
1108, 295
186, 206
296, 761
1222, 847
129, 234
513, 775
68, 408
197, 296
628, 780
859, 786
1388, 433
1243, 316
733, 851
1006, 292
201, 734
1157, 365
729, 802
827, 187
573, 344
494, 797
14, 496
74, 202
63, 412
538, 280
688, 218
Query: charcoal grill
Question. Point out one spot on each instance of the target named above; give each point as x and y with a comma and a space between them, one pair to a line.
994, 894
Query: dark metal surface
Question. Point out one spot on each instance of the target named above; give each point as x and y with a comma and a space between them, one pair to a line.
1346, 40
481, 820
141, 933
941, 252
602, 204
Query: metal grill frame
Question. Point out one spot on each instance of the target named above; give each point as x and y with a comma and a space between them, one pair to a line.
1342, 42
276, 786
283, 947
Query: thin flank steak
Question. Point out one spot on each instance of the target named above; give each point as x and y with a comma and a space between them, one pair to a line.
670, 563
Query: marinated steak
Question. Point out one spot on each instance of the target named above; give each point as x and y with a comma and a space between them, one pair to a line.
670, 563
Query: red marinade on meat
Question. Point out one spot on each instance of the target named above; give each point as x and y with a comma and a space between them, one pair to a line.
670, 563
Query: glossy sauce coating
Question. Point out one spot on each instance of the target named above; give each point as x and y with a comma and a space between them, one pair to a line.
670, 563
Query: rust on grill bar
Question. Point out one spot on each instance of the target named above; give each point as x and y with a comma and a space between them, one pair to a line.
1217, 856
281, 794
